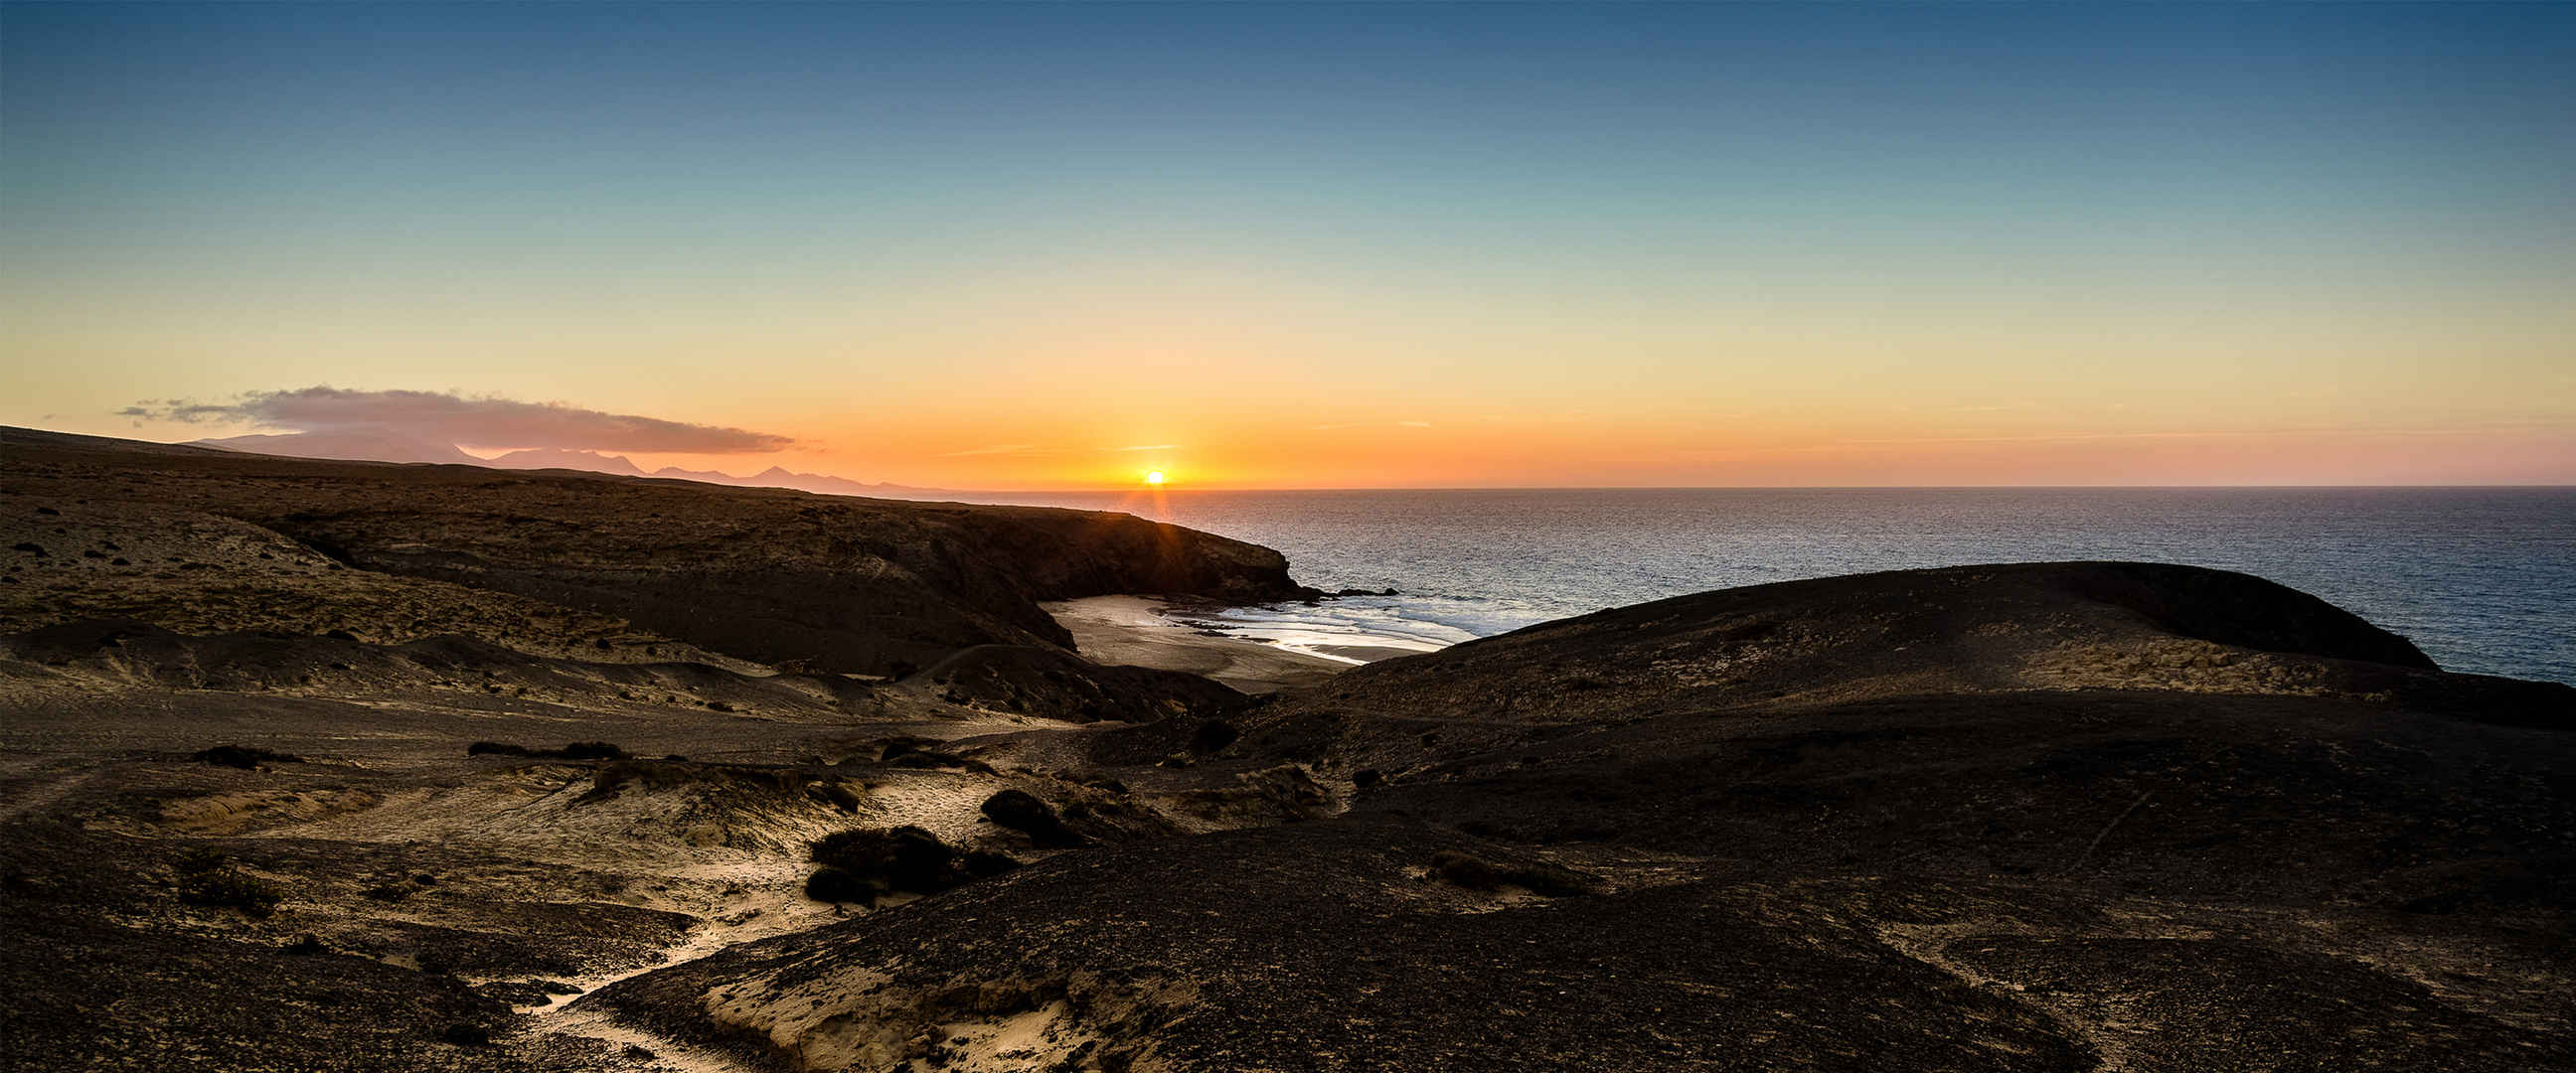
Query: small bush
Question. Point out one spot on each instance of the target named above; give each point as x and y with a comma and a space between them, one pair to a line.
836, 886
917, 753
984, 864
198, 860
244, 757
1213, 735
833, 794
231, 888
579, 750
306, 946
1476, 873
464, 1035
1023, 812
906, 859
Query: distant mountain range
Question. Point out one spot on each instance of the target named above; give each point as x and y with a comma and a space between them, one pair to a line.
378, 444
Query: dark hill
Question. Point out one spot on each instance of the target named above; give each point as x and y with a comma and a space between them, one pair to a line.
2049, 817
204, 540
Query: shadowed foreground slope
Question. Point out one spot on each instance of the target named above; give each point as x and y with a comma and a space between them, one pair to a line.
2059, 816
319, 766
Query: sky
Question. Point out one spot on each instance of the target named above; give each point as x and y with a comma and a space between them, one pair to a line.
1352, 245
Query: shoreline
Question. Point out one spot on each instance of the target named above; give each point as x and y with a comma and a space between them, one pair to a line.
1133, 631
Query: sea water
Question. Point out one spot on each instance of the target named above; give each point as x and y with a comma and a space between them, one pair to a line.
2482, 579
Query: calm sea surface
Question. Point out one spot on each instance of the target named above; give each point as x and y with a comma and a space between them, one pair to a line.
2481, 579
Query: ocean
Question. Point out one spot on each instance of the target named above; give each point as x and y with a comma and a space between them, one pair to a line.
2482, 579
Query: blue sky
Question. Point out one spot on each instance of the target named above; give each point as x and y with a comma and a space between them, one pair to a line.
537, 200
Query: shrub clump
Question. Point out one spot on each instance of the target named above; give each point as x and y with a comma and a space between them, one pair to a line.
579, 750
1476, 873
861, 864
220, 885
1023, 812
836, 886
1213, 735
917, 753
247, 758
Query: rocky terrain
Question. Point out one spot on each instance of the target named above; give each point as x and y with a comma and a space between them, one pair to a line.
342, 766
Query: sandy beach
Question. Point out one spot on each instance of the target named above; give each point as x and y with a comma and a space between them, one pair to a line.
1129, 630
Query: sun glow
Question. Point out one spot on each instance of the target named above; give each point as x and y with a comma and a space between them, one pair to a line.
1154, 477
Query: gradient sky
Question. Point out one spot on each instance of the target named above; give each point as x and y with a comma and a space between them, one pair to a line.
1335, 246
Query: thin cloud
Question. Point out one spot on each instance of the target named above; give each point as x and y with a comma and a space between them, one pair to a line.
994, 449
487, 421
1415, 424
1145, 447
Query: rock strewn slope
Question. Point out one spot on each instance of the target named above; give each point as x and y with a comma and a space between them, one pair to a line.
1859, 823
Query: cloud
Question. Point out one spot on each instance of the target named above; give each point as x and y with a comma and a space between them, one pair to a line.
1414, 424
487, 421
994, 449
1145, 447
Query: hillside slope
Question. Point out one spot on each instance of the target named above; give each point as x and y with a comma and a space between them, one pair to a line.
202, 540
2044, 817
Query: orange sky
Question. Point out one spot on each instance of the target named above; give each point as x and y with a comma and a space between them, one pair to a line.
1328, 245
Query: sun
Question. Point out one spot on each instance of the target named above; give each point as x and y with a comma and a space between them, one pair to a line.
1154, 477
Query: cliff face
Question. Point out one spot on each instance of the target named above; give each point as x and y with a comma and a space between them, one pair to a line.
774, 576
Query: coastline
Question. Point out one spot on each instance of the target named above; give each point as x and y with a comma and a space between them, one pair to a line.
1133, 631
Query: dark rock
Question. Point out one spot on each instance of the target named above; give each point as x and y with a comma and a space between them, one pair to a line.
1476, 873
1213, 735
906, 859
835, 885
1023, 812
245, 757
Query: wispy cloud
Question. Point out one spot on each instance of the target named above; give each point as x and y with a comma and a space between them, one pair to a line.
486, 421
1145, 447
1414, 424
994, 449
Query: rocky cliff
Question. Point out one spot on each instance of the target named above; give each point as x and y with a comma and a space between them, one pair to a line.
202, 540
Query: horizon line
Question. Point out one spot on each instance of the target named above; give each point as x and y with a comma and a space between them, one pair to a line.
1170, 490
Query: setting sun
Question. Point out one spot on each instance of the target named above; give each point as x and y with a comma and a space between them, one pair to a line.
1154, 476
